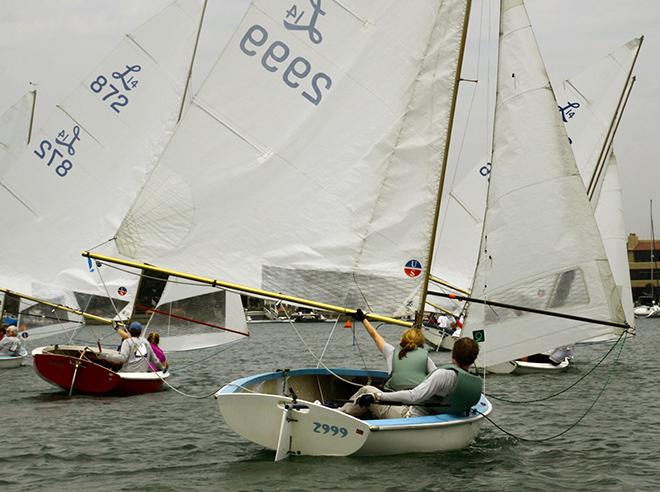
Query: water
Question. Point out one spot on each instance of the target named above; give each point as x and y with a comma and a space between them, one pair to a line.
165, 441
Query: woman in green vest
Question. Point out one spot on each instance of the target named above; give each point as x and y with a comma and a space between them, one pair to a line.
408, 364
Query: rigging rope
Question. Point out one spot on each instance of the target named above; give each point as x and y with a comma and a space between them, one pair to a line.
318, 360
105, 287
586, 412
549, 397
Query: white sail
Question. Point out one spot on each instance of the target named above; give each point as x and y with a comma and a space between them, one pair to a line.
15, 129
542, 248
70, 189
609, 215
459, 230
313, 154
191, 317
590, 103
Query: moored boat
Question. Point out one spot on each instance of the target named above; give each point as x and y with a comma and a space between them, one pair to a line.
78, 368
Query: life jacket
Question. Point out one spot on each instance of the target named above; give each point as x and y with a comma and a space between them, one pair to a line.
466, 393
409, 371
138, 349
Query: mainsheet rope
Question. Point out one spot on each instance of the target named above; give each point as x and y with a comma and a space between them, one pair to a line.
549, 397
586, 412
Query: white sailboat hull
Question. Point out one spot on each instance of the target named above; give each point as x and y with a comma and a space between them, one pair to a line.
438, 339
539, 367
519, 367
257, 409
11, 361
647, 311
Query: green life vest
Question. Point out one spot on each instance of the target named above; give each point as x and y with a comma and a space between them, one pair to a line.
409, 371
465, 395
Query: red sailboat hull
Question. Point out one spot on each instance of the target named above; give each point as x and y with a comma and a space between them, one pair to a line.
78, 367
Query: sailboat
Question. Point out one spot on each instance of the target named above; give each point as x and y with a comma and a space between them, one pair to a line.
284, 141
541, 246
591, 107
648, 306
358, 190
592, 104
83, 172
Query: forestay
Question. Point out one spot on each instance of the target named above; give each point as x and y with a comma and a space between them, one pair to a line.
313, 154
15, 128
591, 105
70, 189
542, 248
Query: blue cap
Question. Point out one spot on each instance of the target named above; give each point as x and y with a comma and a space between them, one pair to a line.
135, 327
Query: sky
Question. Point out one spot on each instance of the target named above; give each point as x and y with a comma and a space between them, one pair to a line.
54, 44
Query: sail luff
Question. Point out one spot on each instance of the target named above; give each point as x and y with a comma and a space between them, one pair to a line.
445, 156
192, 61
34, 105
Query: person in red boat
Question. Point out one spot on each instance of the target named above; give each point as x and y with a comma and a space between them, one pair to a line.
135, 353
154, 340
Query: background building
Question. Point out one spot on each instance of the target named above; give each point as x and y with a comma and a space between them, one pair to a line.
643, 259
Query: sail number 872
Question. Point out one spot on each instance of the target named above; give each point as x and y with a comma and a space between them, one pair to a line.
326, 429
277, 52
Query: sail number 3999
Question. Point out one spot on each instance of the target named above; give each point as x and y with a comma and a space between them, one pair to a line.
278, 52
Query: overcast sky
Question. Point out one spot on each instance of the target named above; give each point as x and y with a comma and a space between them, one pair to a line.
56, 43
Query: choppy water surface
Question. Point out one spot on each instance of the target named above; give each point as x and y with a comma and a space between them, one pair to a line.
165, 441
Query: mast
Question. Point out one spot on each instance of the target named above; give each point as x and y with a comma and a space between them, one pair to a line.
438, 202
652, 250
192, 61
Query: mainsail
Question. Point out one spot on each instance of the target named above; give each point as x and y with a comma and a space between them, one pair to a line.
591, 106
313, 154
541, 248
70, 189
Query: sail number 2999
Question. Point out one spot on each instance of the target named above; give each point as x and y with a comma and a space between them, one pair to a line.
327, 429
277, 53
